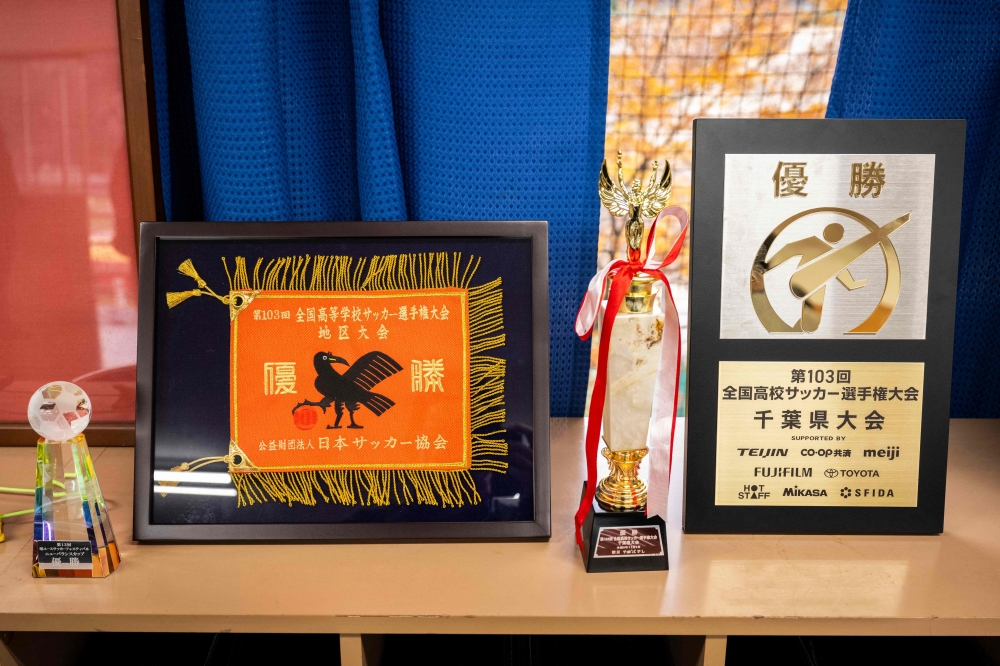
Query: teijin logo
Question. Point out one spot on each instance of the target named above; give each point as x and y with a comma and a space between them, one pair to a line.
819, 263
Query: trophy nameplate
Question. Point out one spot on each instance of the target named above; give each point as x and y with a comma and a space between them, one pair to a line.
623, 541
823, 274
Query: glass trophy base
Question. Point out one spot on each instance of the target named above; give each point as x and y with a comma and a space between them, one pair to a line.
623, 541
73, 535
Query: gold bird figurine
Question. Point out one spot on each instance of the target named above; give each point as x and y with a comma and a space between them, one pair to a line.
634, 204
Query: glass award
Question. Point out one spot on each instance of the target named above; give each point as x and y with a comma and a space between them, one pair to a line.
72, 536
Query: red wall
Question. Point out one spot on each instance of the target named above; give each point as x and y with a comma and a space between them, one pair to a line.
67, 257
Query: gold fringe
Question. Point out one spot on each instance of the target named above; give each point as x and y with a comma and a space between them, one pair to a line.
379, 273
358, 487
395, 272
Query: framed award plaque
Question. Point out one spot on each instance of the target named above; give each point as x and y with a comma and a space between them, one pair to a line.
342, 381
824, 260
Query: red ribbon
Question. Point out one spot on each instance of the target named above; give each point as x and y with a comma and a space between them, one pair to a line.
621, 273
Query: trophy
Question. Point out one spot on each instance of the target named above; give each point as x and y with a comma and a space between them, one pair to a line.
613, 529
73, 535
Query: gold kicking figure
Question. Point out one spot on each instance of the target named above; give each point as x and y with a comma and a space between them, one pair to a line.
819, 262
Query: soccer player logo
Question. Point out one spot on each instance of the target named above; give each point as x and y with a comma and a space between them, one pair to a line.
819, 261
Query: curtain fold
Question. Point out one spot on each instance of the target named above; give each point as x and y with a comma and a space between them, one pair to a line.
380, 176
411, 109
941, 59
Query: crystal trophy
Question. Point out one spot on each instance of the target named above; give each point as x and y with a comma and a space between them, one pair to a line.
73, 535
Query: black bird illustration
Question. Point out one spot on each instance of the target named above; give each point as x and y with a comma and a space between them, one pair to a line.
353, 388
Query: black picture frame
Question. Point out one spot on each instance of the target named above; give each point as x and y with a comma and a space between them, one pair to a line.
713, 140
152, 233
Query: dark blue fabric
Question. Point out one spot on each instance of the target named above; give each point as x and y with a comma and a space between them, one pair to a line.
177, 136
941, 59
411, 109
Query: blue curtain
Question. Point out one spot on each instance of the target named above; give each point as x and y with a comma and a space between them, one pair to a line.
941, 59
410, 109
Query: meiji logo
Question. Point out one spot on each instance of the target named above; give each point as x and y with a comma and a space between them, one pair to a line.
804, 492
859, 473
847, 493
889, 453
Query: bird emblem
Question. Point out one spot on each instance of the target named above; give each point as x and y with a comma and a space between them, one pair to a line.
353, 388
634, 204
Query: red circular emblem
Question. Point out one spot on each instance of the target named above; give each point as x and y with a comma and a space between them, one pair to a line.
305, 417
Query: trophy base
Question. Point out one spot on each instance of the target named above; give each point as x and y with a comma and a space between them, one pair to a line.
73, 537
623, 541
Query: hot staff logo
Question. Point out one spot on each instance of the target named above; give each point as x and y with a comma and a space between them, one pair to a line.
819, 262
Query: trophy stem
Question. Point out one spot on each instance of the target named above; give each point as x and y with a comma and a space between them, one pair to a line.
622, 490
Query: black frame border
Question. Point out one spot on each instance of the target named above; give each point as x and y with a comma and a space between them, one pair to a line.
145, 531
713, 139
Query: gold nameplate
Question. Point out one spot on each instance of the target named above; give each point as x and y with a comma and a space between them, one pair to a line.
818, 434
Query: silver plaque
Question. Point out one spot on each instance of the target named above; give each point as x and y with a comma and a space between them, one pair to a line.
826, 246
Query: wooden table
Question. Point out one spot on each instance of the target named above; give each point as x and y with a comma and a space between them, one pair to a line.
717, 585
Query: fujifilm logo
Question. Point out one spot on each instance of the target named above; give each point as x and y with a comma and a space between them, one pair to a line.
889, 453
783, 471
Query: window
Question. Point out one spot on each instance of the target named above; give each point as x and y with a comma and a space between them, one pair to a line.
67, 244
676, 60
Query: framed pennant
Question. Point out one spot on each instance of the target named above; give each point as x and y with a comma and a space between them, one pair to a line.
342, 381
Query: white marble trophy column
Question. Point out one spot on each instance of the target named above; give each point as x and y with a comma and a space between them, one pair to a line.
633, 362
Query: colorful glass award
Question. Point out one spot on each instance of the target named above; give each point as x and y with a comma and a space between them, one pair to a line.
73, 535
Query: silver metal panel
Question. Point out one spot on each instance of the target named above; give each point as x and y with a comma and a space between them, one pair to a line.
752, 212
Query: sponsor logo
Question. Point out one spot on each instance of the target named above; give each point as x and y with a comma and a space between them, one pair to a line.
795, 491
889, 453
848, 493
825, 453
783, 471
859, 473
831, 473
754, 492
762, 453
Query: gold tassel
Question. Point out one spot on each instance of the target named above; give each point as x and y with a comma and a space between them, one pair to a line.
192, 466
187, 268
175, 298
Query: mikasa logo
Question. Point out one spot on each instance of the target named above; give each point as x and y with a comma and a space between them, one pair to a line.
819, 262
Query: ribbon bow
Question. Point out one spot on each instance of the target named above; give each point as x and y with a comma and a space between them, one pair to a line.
665, 397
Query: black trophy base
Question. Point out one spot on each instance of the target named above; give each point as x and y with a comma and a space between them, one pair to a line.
623, 541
